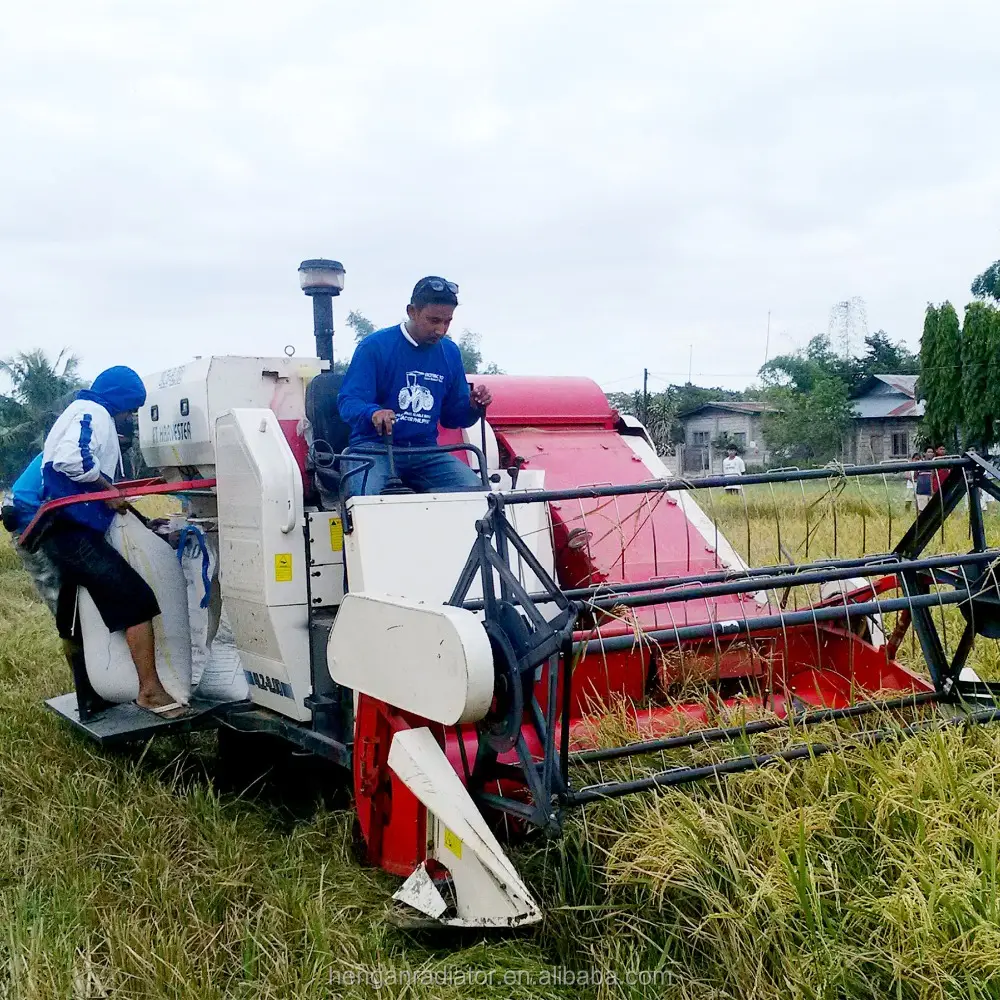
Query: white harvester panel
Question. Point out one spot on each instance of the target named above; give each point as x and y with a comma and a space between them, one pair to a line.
262, 560
488, 890
416, 545
433, 660
177, 422
474, 435
326, 558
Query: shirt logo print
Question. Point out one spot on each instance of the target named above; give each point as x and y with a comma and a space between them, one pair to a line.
414, 397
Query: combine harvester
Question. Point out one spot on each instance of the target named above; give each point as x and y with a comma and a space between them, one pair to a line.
454, 651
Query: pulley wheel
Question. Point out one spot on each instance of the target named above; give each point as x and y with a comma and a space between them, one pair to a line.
503, 720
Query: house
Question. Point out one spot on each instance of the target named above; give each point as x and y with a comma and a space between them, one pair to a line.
709, 426
887, 417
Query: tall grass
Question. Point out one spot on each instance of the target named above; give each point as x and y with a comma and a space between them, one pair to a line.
844, 518
873, 872
156, 873
868, 874
160, 873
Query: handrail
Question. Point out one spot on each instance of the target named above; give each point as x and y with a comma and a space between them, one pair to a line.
710, 482
293, 486
375, 448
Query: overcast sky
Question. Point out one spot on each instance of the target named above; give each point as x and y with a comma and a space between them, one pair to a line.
608, 183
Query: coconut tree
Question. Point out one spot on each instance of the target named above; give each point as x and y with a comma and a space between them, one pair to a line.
39, 389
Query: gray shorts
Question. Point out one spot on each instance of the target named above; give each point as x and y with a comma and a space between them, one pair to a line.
43, 572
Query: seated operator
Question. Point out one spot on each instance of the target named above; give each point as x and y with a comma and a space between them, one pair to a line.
406, 379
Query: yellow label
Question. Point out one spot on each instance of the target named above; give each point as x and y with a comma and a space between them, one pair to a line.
283, 567
336, 534
452, 842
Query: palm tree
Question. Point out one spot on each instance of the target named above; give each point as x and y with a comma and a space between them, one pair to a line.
40, 390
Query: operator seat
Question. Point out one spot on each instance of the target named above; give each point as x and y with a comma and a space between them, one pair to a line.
330, 435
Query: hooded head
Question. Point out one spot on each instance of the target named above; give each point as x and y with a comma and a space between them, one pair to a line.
118, 390
126, 430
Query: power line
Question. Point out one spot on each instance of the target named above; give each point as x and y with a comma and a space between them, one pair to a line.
668, 376
618, 381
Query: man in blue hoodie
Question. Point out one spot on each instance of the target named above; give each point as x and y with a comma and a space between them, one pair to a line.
82, 455
406, 379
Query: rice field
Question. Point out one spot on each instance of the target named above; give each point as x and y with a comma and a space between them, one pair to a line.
172, 871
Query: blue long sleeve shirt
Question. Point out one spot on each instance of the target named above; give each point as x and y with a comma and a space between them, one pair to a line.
26, 493
423, 384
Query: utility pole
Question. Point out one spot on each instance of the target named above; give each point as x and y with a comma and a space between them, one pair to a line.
767, 339
690, 361
645, 397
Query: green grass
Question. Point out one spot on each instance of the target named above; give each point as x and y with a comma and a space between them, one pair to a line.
130, 875
149, 873
871, 874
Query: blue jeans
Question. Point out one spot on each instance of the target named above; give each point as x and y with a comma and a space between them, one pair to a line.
426, 472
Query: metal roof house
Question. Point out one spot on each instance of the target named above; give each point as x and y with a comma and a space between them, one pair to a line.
887, 417
706, 424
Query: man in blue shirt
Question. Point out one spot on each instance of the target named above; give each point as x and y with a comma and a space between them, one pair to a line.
406, 379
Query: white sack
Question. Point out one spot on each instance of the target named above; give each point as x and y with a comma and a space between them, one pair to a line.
109, 662
223, 679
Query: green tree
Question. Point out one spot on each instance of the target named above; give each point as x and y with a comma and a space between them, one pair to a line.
661, 412
987, 284
802, 369
40, 389
884, 357
980, 412
472, 356
809, 428
360, 324
978, 331
940, 384
659, 415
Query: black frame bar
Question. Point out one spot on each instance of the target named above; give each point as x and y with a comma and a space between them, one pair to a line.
553, 642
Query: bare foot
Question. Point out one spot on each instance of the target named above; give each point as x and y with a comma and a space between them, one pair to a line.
157, 698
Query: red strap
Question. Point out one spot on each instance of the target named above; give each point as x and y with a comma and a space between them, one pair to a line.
125, 490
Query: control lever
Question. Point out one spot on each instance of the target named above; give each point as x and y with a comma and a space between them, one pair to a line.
482, 428
393, 485
495, 478
515, 470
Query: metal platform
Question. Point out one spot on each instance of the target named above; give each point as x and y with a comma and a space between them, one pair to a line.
128, 722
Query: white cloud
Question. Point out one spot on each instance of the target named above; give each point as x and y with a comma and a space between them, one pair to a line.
608, 184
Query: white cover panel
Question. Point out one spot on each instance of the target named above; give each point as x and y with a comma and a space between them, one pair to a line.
432, 660
416, 545
262, 564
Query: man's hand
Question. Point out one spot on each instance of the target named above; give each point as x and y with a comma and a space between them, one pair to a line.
383, 420
119, 506
481, 396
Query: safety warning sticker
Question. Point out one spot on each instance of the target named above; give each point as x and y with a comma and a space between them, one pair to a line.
283, 567
336, 535
452, 842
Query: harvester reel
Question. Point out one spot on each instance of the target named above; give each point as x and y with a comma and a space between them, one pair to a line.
511, 687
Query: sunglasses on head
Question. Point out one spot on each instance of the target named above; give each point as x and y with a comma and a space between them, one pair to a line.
439, 285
